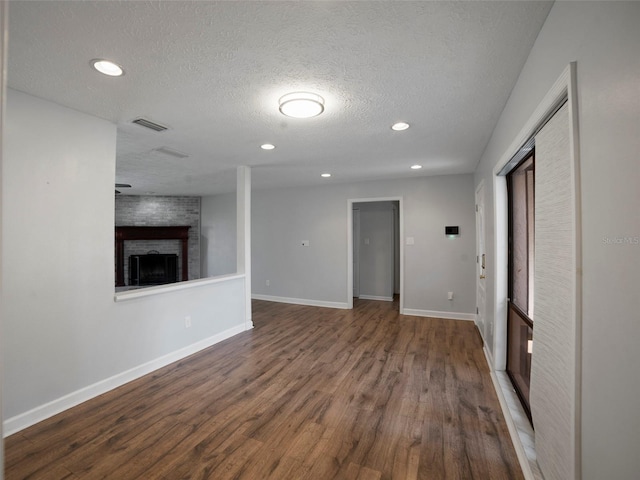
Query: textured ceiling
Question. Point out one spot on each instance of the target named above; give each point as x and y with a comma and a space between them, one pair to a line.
213, 72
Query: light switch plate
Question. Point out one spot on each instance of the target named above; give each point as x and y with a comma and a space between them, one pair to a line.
410, 241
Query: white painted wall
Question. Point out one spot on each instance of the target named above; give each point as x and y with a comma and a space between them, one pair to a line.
63, 332
604, 39
218, 242
3, 57
376, 249
434, 265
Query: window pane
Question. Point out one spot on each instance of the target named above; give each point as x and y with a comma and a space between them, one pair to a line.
521, 268
531, 238
522, 234
520, 338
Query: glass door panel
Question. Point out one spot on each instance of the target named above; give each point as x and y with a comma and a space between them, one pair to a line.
520, 185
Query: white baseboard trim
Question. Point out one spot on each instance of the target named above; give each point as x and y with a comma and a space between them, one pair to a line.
488, 355
300, 301
19, 422
436, 314
523, 459
376, 297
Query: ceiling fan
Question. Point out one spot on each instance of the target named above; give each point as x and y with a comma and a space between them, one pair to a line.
121, 185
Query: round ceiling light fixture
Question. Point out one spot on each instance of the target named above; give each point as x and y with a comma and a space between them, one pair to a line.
301, 105
267, 146
107, 68
325, 175
399, 126
416, 167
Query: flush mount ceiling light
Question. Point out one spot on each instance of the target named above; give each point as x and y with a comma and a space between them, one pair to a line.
267, 146
107, 68
399, 126
416, 167
301, 105
325, 175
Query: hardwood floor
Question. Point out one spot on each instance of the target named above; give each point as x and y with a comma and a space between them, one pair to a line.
310, 393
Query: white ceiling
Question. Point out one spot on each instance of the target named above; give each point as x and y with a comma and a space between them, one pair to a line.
213, 72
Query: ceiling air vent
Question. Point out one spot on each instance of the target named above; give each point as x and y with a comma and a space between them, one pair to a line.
143, 122
169, 151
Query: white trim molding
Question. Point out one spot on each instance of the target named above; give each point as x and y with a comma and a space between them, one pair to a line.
174, 287
436, 314
375, 297
4, 33
301, 301
42, 412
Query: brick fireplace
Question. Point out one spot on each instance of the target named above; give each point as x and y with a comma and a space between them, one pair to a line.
130, 233
160, 211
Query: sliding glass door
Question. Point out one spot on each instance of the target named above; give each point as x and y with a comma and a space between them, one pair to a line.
520, 187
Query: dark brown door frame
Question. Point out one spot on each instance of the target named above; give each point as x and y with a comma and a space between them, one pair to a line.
514, 310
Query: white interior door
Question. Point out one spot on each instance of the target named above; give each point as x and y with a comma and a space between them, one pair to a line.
481, 292
356, 253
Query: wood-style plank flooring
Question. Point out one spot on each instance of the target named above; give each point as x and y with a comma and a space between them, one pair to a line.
310, 393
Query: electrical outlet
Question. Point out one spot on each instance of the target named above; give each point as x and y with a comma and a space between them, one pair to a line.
267, 282
450, 295
187, 322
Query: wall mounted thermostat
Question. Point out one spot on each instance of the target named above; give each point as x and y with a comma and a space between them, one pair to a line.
452, 231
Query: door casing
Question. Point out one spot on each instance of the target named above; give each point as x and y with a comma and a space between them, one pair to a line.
350, 203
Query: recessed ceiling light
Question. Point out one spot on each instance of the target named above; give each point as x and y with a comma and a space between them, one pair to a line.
301, 105
107, 68
326, 175
267, 146
416, 167
399, 126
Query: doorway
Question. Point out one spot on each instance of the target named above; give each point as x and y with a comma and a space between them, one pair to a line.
356, 252
481, 259
375, 252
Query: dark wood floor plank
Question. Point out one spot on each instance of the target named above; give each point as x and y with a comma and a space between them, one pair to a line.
309, 393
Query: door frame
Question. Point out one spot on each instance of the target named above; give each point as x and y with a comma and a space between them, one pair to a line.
4, 33
350, 203
564, 87
356, 252
481, 241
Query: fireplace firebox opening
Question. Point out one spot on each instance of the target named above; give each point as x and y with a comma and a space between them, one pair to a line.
154, 268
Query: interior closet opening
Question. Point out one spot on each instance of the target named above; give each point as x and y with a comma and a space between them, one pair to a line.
375, 253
